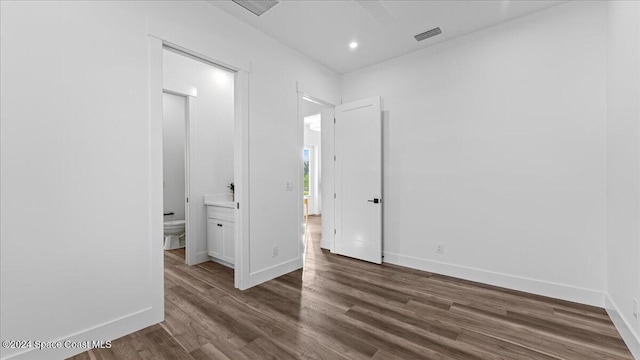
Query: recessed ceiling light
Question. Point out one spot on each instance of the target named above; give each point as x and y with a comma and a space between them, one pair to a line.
220, 76
353, 45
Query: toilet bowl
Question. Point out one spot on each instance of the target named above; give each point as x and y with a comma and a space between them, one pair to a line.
174, 232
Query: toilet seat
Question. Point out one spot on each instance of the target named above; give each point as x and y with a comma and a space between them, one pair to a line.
174, 222
174, 225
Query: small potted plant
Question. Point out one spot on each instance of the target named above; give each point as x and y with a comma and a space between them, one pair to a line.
233, 191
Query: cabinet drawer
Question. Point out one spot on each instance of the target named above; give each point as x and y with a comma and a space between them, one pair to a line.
222, 213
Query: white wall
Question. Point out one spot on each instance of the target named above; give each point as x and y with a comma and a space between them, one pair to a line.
212, 134
173, 155
494, 145
76, 253
623, 169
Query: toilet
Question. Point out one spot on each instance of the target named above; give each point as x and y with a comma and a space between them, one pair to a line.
174, 231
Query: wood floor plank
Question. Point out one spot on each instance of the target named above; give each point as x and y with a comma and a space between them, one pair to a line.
159, 345
181, 326
584, 323
588, 316
208, 351
573, 331
385, 355
506, 349
193, 333
181, 276
263, 349
430, 340
526, 298
535, 338
278, 326
339, 308
208, 313
336, 334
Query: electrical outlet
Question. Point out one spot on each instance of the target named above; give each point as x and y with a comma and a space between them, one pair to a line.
635, 308
288, 185
274, 251
440, 249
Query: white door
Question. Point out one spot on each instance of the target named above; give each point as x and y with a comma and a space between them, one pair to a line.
358, 181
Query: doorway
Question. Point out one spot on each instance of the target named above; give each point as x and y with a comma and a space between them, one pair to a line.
342, 199
313, 113
235, 160
198, 152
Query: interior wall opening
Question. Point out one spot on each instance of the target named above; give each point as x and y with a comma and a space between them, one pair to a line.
198, 159
310, 114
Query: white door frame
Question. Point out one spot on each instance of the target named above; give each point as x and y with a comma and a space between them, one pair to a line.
300, 147
241, 168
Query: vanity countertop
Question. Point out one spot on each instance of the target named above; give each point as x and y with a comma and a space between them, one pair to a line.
218, 201
226, 204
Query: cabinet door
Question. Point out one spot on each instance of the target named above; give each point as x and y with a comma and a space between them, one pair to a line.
228, 242
214, 237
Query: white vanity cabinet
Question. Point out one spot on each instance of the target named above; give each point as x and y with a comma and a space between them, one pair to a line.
220, 232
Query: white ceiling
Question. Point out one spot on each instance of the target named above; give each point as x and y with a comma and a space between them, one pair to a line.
322, 30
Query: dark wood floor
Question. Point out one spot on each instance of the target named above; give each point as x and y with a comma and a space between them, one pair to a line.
339, 308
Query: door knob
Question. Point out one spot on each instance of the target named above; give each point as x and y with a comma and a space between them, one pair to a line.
375, 201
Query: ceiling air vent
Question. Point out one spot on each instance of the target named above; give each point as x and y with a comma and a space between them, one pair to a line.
257, 7
427, 34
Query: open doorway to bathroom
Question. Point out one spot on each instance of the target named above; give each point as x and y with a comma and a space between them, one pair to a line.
198, 159
231, 78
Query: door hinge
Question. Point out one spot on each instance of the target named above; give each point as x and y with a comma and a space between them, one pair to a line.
335, 158
187, 200
238, 205
334, 120
334, 195
335, 231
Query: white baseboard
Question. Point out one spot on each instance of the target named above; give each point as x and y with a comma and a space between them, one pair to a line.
630, 337
325, 244
260, 276
201, 257
539, 287
220, 261
108, 331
